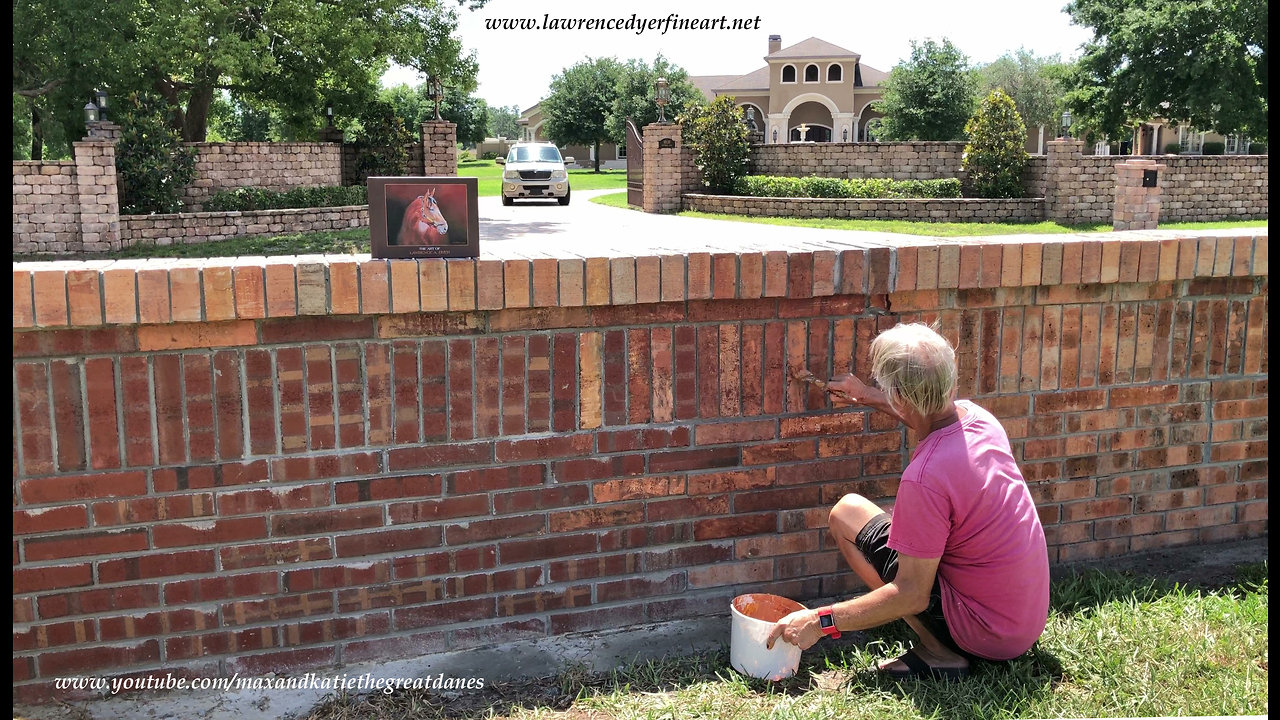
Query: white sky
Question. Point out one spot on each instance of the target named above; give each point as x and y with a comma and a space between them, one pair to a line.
516, 66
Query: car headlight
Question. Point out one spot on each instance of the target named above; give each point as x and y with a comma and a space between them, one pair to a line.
511, 175
559, 175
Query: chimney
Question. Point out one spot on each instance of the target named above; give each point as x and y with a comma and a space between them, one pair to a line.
775, 43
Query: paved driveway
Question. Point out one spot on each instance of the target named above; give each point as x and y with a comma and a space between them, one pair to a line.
543, 228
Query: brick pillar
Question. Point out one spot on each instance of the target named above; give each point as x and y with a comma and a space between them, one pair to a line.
97, 192
1136, 207
1063, 159
668, 171
330, 135
439, 148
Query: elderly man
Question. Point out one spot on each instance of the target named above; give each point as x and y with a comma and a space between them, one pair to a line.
963, 558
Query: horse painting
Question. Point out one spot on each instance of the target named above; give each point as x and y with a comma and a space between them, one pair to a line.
423, 223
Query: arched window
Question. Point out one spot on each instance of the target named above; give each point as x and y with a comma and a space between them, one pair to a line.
834, 73
811, 73
788, 73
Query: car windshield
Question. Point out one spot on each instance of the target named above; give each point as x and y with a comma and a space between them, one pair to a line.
534, 153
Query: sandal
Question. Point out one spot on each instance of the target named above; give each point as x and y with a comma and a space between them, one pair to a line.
918, 668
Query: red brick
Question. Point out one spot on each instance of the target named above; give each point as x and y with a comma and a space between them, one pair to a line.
738, 573
462, 284
637, 488
53, 577
597, 517
736, 526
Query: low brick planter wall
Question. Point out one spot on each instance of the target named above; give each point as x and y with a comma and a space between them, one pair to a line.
936, 210
183, 228
257, 465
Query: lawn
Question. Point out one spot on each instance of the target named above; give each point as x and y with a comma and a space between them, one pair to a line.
1116, 645
490, 174
940, 229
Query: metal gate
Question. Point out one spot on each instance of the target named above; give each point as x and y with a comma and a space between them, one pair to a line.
635, 165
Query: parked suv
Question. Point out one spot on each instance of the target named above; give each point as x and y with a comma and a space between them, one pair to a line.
534, 170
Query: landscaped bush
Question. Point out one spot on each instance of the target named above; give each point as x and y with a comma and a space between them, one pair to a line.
718, 137
1257, 148
488, 155
995, 156
153, 165
1214, 148
252, 198
816, 187
1172, 148
465, 156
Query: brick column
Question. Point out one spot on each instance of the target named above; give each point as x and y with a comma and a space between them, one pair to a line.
439, 148
1063, 158
96, 189
1136, 207
668, 171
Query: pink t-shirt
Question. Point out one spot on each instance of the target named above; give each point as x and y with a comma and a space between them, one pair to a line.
963, 499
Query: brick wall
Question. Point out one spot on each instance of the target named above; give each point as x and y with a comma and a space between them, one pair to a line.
184, 228
274, 166
949, 209
46, 207
897, 161
262, 465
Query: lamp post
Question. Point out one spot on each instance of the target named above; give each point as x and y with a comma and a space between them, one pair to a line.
662, 96
775, 136
438, 96
100, 97
844, 134
328, 114
90, 113
1066, 124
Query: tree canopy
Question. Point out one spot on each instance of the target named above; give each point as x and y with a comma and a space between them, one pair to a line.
287, 56
930, 96
1200, 62
635, 95
1035, 83
502, 121
578, 108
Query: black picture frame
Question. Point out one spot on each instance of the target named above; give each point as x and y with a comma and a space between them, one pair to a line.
445, 222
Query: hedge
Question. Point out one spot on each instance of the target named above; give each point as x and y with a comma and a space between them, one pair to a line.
819, 187
252, 198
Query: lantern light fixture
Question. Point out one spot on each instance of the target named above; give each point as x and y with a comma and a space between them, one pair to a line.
662, 96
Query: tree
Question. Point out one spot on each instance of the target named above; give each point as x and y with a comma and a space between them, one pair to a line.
578, 108
381, 143
414, 105
233, 120
717, 135
502, 121
289, 56
1035, 83
468, 112
930, 96
1198, 62
996, 152
636, 92
433, 48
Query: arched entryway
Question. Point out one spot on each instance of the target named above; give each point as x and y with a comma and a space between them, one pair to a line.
815, 117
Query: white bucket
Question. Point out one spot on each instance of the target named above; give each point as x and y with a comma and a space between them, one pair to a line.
753, 617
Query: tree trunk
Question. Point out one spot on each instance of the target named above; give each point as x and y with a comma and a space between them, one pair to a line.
597, 155
196, 124
37, 133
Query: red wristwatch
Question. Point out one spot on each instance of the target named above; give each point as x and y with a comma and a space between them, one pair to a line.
828, 623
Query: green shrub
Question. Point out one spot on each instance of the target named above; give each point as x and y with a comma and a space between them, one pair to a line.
1214, 148
488, 155
252, 198
1172, 148
380, 148
465, 156
996, 154
816, 187
153, 165
718, 137
1257, 148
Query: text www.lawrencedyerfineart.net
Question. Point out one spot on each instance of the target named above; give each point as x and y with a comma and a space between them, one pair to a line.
634, 23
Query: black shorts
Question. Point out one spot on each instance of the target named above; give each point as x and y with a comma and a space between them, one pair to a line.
873, 541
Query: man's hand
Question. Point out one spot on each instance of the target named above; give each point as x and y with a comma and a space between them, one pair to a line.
848, 390
801, 628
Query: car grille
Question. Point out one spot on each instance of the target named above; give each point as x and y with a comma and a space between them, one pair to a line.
535, 174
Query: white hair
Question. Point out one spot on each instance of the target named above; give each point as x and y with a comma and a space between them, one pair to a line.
914, 366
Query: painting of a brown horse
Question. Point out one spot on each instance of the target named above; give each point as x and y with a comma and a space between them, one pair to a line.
423, 223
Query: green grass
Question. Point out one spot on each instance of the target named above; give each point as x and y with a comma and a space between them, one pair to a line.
490, 175
1116, 645
940, 229
329, 242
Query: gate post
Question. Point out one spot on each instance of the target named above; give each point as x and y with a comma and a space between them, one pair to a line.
1138, 193
664, 168
439, 148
